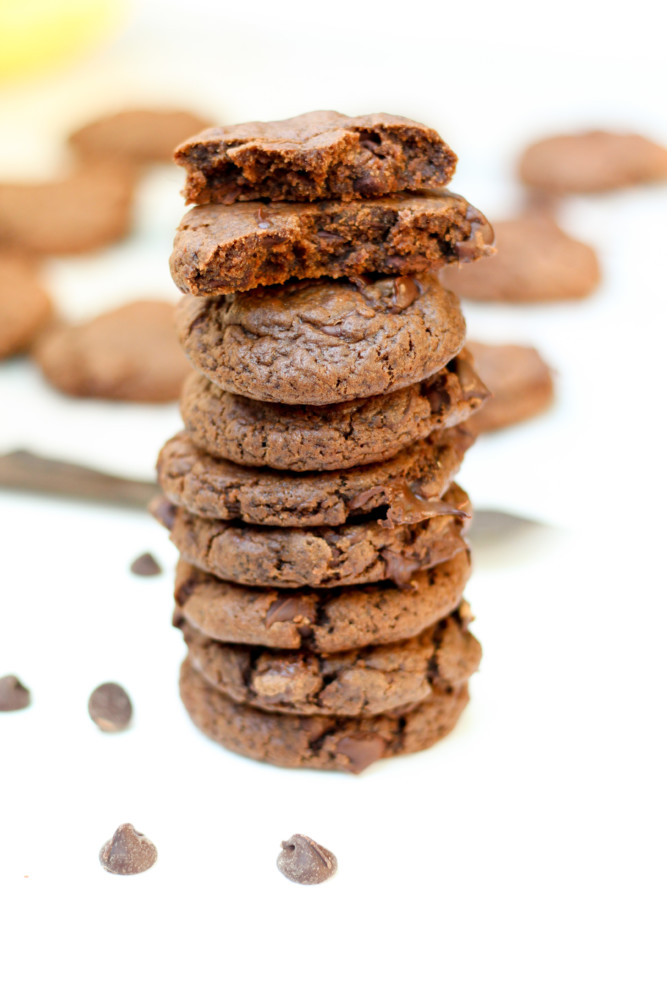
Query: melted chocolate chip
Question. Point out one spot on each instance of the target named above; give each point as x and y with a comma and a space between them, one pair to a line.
406, 508
481, 233
306, 862
399, 567
146, 565
326, 237
163, 511
289, 609
13, 695
361, 751
128, 852
110, 708
406, 290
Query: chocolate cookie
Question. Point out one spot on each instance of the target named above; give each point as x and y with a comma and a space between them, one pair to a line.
323, 341
129, 353
319, 155
330, 743
24, 305
323, 620
365, 551
536, 262
520, 382
592, 161
340, 436
212, 487
86, 210
230, 248
136, 136
360, 682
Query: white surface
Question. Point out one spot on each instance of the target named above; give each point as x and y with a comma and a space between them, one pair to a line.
524, 856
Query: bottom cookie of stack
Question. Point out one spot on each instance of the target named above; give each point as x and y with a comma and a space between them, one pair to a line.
246, 698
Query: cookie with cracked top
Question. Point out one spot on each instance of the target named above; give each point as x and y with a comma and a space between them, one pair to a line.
25, 307
89, 208
362, 551
587, 162
536, 262
220, 249
318, 155
520, 382
213, 487
326, 620
325, 742
360, 682
323, 341
129, 353
339, 436
136, 135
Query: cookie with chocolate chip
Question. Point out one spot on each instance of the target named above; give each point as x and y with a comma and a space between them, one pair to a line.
339, 436
360, 682
326, 620
220, 249
325, 742
323, 341
412, 537
319, 155
213, 487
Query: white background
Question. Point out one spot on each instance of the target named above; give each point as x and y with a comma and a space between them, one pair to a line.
524, 856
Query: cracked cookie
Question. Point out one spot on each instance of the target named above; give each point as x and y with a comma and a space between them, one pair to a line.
365, 551
220, 249
361, 682
323, 341
213, 487
339, 436
327, 620
311, 157
329, 743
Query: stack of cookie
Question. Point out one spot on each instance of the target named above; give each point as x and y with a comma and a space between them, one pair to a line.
311, 496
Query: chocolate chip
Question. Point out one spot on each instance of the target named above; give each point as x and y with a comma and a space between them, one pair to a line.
13, 695
399, 567
110, 708
361, 751
289, 609
145, 565
128, 852
302, 860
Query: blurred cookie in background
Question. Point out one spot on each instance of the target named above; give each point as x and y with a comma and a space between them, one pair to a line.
588, 162
87, 209
520, 381
25, 307
536, 262
130, 353
136, 136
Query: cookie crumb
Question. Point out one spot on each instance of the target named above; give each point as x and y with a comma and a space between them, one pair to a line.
302, 860
110, 708
128, 852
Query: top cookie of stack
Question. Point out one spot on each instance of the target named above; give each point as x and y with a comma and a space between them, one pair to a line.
336, 206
